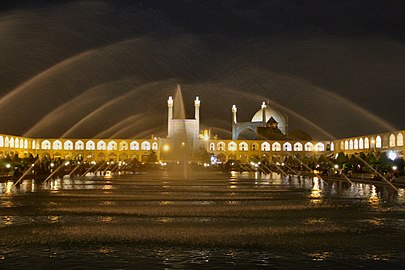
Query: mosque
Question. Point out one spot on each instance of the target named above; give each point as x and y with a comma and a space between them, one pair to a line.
265, 137
267, 123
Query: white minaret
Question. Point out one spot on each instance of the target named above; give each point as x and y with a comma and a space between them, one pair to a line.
169, 115
234, 110
197, 108
197, 103
264, 112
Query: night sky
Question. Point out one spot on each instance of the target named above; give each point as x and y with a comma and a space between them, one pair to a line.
105, 68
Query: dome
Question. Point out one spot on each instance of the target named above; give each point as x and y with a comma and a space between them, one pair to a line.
278, 116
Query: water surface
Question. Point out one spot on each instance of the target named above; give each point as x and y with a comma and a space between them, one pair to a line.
209, 220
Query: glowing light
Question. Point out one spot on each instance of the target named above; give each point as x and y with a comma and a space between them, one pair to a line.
336, 166
392, 155
8, 166
67, 163
52, 165
166, 147
394, 168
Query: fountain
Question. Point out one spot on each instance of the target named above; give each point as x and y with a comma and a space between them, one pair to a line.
182, 133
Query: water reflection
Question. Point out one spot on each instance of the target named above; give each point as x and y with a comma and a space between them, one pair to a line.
320, 256
316, 193
54, 219
8, 220
106, 219
374, 200
267, 213
8, 204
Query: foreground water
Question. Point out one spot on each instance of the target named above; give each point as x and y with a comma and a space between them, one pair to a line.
209, 220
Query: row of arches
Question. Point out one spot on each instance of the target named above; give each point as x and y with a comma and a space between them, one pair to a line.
13, 142
266, 146
373, 142
100, 145
21, 143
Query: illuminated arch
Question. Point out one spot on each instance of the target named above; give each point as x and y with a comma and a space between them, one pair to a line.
17, 143
90, 145
134, 145
356, 144
112, 146
400, 139
372, 142
265, 147
46, 145
212, 146
319, 147
123, 146
57, 145
243, 146
232, 146
332, 147
366, 143
346, 145
392, 140
1, 141
68, 145
361, 143
155, 146
101, 145
25, 144
145, 145
351, 144
34, 144
309, 147
298, 147
221, 146
287, 147
11, 143
79, 145
276, 146
378, 142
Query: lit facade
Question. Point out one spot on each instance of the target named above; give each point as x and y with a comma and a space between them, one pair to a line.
188, 131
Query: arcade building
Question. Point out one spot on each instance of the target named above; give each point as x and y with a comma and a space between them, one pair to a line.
265, 137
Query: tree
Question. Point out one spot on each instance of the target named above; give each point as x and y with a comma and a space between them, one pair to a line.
341, 159
152, 157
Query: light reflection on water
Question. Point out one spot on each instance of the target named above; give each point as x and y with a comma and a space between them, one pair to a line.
211, 220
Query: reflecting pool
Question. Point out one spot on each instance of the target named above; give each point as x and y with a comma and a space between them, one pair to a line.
209, 220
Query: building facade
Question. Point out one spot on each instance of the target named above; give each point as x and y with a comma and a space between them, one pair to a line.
186, 133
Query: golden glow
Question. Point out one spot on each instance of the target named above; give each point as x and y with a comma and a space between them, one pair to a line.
9, 187
53, 219
373, 199
8, 220
106, 219
166, 147
166, 203
315, 196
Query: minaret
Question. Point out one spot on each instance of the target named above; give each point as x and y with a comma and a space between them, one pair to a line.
197, 108
169, 115
197, 115
264, 112
234, 110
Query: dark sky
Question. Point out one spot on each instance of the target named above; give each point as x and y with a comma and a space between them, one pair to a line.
106, 68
